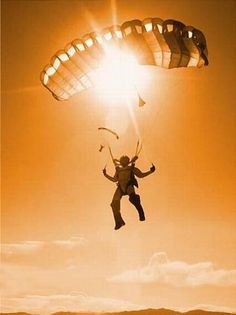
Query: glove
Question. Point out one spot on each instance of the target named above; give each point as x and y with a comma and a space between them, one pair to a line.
152, 168
104, 171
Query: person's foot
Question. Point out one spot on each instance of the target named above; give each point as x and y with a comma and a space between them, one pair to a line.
142, 217
119, 225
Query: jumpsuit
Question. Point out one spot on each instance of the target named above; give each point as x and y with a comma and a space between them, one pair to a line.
125, 186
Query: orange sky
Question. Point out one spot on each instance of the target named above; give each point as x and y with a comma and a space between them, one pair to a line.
57, 226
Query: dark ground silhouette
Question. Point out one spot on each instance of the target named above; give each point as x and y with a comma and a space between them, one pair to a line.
141, 312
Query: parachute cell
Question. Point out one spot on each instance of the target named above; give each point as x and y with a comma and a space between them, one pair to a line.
168, 44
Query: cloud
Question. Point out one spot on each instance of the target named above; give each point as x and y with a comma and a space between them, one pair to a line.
71, 243
46, 254
24, 247
177, 273
73, 302
31, 246
81, 302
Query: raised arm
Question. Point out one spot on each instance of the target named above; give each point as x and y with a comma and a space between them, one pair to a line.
113, 179
141, 174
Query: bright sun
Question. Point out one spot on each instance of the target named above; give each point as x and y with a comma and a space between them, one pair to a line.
117, 77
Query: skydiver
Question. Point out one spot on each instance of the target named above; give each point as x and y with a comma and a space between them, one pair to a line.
125, 178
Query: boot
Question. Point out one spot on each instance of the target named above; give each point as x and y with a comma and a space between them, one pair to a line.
119, 222
135, 200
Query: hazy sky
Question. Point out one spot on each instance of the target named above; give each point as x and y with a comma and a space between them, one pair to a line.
59, 247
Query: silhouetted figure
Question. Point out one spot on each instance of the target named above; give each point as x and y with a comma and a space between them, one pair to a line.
125, 178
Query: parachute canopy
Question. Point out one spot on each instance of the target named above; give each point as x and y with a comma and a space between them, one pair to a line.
168, 44
109, 130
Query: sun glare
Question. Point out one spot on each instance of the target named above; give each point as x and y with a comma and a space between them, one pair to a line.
117, 77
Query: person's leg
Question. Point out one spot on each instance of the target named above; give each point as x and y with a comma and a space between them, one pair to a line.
115, 205
135, 200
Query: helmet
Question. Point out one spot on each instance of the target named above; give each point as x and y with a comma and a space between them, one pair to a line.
124, 160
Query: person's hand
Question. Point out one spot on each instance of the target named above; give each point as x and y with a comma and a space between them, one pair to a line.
104, 171
152, 168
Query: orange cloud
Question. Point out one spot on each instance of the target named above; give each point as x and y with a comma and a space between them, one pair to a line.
30, 246
74, 302
23, 247
71, 243
177, 273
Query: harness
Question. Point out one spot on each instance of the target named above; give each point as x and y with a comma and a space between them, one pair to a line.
132, 181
